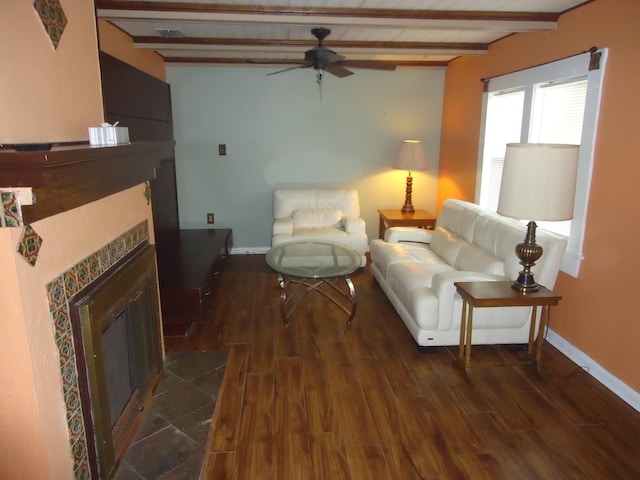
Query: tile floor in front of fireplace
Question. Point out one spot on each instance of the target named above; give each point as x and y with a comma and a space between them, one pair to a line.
170, 442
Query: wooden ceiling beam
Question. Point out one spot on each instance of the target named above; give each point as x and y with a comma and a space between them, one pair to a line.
140, 41
282, 62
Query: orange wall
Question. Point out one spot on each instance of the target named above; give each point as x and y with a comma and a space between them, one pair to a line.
597, 314
47, 94
118, 44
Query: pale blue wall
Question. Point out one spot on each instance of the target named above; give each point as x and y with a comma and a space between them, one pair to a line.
280, 132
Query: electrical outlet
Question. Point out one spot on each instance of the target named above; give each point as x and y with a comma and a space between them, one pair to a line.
210, 218
222, 149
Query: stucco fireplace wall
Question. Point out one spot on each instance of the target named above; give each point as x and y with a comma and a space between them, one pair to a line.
34, 433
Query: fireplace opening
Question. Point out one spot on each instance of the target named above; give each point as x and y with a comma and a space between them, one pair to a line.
116, 328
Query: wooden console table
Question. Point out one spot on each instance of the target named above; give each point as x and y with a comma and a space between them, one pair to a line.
397, 218
500, 294
189, 264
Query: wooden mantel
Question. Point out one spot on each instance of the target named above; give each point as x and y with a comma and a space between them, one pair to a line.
67, 177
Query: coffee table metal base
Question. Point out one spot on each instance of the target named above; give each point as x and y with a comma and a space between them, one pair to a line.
295, 289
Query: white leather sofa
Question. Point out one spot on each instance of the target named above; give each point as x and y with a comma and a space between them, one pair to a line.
417, 269
327, 214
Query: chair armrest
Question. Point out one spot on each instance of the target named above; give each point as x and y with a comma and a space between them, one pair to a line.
353, 224
407, 234
282, 225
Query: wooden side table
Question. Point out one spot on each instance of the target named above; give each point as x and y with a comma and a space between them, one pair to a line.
500, 294
397, 218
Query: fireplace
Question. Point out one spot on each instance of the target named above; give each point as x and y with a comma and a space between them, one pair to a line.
91, 209
116, 330
104, 295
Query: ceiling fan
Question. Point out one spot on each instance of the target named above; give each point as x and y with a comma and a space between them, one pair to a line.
323, 59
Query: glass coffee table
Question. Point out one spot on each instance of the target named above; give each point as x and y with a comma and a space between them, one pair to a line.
314, 266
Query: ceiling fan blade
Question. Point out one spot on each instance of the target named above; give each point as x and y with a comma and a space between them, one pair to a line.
287, 69
338, 70
370, 64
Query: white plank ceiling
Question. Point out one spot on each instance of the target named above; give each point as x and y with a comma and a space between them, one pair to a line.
419, 33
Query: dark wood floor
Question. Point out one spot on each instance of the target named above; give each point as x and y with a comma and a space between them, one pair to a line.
323, 400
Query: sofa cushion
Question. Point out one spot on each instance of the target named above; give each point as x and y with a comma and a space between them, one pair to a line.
446, 245
474, 259
460, 218
385, 254
321, 217
409, 281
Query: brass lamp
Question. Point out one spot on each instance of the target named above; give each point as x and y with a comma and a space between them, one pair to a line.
538, 183
410, 157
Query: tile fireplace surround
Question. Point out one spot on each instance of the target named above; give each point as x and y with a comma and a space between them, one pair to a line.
59, 291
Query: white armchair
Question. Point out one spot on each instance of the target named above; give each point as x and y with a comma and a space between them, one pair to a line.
330, 214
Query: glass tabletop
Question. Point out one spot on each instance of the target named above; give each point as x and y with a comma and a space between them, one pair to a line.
313, 259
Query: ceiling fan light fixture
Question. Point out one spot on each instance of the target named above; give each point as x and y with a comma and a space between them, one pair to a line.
322, 59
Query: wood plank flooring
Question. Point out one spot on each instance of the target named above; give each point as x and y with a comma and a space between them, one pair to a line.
323, 400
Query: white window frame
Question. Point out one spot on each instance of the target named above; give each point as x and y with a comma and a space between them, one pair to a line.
575, 66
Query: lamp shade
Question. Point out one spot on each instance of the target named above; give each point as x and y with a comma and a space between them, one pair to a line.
538, 181
411, 156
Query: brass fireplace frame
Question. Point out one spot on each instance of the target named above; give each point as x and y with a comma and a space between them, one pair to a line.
130, 287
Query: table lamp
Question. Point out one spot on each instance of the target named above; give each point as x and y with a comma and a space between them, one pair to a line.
538, 184
410, 157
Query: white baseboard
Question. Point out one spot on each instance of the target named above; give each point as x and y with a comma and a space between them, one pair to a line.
621, 389
249, 250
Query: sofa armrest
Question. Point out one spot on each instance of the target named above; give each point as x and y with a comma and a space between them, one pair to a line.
407, 234
444, 289
353, 224
282, 225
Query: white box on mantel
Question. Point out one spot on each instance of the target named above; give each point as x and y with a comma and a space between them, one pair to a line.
107, 134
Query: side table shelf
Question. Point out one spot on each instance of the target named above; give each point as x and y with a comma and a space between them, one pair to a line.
189, 265
397, 218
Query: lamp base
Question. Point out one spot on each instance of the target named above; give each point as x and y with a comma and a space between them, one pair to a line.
408, 205
407, 209
528, 252
522, 286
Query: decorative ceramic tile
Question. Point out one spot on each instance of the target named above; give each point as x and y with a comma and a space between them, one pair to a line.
82, 471
130, 238
65, 347
117, 249
69, 377
59, 293
71, 282
83, 273
94, 266
74, 410
29, 245
55, 293
61, 323
79, 450
105, 261
144, 228
11, 214
53, 18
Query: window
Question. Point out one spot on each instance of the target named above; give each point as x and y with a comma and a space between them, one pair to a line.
553, 103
